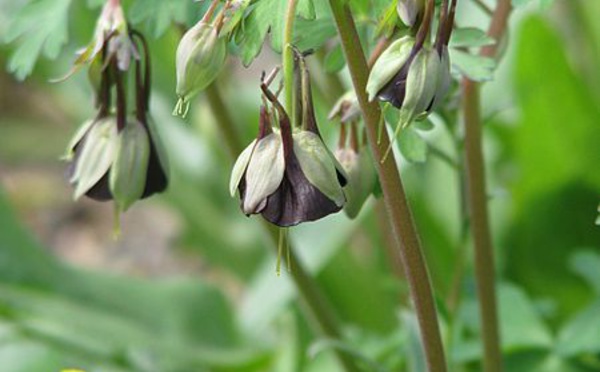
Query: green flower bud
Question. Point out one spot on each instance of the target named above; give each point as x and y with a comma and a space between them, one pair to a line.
389, 64
127, 179
346, 108
361, 178
409, 11
200, 56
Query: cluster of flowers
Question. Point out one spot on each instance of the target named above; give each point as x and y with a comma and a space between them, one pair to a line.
287, 174
116, 155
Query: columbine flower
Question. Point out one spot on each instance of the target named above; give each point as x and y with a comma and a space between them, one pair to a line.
200, 57
117, 156
287, 174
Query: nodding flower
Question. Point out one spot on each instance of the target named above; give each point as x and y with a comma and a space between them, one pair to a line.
117, 155
287, 174
411, 75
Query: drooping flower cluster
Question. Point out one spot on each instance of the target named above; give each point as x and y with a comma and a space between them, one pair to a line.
410, 74
116, 155
287, 174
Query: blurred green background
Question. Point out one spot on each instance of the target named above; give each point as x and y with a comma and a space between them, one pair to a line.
191, 284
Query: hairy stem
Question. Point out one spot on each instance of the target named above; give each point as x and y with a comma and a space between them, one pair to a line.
477, 202
404, 230
318, 308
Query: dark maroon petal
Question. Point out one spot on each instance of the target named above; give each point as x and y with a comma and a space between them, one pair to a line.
101, 190
297, 200
395, 91
156, 179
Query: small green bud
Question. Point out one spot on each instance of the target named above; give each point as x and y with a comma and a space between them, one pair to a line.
127, 178
346, 108
200, 56
409, 11
361, 178
389, 64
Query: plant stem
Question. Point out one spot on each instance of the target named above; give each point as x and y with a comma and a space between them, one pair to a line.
405, 234
318, 308
288, 58
477, 201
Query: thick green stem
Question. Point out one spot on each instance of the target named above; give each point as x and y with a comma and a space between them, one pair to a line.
477, 201
403, 227
319, 309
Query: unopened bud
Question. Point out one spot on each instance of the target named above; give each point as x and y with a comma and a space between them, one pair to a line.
200, 56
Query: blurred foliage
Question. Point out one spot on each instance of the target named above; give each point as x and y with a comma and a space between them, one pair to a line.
235, 314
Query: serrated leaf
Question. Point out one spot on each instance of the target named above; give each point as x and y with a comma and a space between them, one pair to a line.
470, 37
476, 68
160, 14
267, 16
40, 28
412, 146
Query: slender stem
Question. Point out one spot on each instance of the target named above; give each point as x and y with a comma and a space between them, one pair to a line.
288, 58
318, 308
403, 227
483, 6
477, 200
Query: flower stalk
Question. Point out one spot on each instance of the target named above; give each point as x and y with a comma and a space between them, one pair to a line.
477, 201
404, 230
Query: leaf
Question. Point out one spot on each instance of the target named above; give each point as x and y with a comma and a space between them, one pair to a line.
39, 28
476, 68
587, 264
412, 146
334, 60
470, 37
267, 16
160, 15
581, 334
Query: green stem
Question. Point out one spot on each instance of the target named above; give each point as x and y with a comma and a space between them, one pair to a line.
477, 202
403, 227
318, 308
288, 58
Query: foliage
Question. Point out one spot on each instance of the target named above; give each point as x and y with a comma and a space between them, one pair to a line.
540, 108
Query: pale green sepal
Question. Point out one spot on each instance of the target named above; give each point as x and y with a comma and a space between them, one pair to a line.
264, 173
239, 168
97, 155
127, 178
444, 80
388, 64
408, 11
77, 137
361, 179
318, 165
421, 85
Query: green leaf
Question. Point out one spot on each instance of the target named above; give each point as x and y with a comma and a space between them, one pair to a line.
39, 28
470, 37
474, 67
334, 60
159, 14
267, 16
587, 264
412, 146
581, 334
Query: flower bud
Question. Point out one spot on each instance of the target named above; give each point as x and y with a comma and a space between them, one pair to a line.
361, 178
409, 11
389, 64
346, 108
128, 172
200, 56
